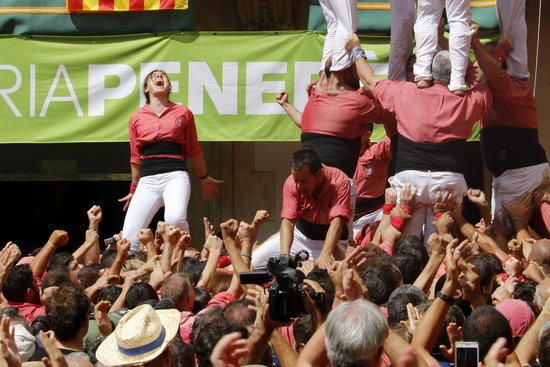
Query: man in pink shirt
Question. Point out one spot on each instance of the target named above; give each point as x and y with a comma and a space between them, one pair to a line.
433, 125
21, 291
509, 132
316, 210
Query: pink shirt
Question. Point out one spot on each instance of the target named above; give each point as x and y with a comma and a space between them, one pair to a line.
513, 104
187, 319
432, 114
371, 173
29, 310
333, 201
344, 115
175, 124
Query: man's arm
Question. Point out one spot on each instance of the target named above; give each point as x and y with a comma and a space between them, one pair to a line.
57, 239
287, 234
491, 65
315, 351
291, 111
95, 214
90, 241
362, 66
331, 241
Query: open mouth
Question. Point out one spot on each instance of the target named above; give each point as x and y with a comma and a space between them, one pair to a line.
159, 83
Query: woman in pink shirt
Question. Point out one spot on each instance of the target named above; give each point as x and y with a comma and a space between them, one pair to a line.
162, 137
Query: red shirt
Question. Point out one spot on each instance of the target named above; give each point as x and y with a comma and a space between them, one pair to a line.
513, 104
345, 115
333, 201
175, 124
371, 173
29, 310
432, 114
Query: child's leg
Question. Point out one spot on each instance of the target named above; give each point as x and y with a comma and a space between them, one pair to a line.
346, 17
511, 18
459, 15
332, 25
402, 28
425, 29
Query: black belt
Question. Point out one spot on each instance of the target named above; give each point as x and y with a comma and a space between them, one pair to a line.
318, 232
438, 157
365, 206
507, 147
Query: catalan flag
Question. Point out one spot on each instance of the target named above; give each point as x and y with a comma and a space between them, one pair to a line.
80, 6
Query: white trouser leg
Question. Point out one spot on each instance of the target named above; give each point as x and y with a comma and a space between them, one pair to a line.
346, 18
177, 191
366, 220
402, 25
426, 33
459, 15
513, 183
511, 19
147, 200
332, 26
270, 248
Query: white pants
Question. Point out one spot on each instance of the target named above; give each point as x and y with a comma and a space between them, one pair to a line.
341, 17
403, 13
427, 184
272, 248
515, 182
511, 19
171, 190
366, 220
459, 16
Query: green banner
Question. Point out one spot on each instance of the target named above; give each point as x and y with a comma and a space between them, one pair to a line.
82, 89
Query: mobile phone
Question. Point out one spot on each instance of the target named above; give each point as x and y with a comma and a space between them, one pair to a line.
467, 354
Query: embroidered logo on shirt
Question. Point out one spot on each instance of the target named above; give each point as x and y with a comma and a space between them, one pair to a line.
179, 122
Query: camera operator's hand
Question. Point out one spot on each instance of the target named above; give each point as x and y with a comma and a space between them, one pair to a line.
312, 307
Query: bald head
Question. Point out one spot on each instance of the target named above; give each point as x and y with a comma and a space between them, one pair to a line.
540, 253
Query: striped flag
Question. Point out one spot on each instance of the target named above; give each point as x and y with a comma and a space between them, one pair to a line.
80, 6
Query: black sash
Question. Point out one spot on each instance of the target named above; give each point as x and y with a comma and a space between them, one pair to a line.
507, 147
438, 157
154, 165
334, 152
318, 232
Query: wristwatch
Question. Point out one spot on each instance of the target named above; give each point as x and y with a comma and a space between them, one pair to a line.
447, 299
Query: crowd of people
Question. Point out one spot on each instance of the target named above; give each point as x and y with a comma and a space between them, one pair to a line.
375, 263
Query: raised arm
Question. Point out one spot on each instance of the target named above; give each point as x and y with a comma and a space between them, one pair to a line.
291, 111
491, 65
58, 238
362, 66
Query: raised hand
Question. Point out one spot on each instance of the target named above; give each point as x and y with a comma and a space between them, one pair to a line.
94, 216
208, 228
414, 319
521, 209
454, 333
390, 196
9, 356
210, 190
55, 357
59, 238
171, 235
229, 351
123, 248
282, 98
352, 42
101, 309
477, 197
443, 201
145, 236
230, 228
407, 195
126, 200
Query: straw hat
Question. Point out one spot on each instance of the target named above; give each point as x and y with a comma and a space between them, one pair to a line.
140, 336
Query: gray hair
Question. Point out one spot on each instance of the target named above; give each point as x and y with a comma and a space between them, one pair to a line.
441, 67
355, 333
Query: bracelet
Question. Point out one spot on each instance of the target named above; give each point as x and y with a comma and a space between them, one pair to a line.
447, 299
437, 216
397, 223
407, 209
357, 53
387, 208
133, 187
247, 256
203, 177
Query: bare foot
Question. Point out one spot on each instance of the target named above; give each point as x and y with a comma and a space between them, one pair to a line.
423, 84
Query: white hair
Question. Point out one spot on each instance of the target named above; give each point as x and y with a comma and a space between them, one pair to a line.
441, 67
355, 333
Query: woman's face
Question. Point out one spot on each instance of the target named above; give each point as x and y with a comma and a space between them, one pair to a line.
157, 84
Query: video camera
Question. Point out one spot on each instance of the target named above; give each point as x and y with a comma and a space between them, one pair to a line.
286, 299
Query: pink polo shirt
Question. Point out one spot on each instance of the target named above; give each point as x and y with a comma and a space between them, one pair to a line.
371, 173
432, 114
345, 115
513, 104
334, 199
175, 124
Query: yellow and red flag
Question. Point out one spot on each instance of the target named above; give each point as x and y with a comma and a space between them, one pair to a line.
79, 6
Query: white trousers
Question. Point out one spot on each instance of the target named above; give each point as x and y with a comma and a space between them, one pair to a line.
341, 17
171, 190
427, 184
511, 19
515, 182
366, 220
459, 16
403, 13
272, 248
